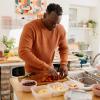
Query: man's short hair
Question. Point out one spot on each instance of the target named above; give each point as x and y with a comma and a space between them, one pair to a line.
54, 7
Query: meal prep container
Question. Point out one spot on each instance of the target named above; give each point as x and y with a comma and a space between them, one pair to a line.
57, 88
41, 92
27, 84
72, 84
77, 95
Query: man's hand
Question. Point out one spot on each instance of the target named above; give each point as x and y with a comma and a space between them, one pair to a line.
53, 73
63, 71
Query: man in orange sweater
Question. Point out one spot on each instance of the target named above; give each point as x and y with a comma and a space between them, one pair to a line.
39, 40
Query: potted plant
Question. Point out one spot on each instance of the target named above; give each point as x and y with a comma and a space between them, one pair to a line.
9, 43
91, 24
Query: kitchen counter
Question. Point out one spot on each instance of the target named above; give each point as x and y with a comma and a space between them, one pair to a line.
6, 73
28, 96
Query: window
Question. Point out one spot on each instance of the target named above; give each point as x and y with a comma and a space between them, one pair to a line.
15, 33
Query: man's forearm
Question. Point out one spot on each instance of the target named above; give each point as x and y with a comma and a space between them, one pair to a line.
64, 57
32, 60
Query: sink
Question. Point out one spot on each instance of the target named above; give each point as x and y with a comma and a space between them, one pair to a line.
84, 78
96, 73
87, 81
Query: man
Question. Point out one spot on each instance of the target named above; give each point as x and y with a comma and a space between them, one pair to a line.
39, 40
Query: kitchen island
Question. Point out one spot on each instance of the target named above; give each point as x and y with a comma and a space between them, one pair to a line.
28, 96
6, 72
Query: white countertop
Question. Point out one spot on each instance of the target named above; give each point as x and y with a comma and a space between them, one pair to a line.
13, 64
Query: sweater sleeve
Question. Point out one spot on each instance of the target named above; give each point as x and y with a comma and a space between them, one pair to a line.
25, 49
63, 47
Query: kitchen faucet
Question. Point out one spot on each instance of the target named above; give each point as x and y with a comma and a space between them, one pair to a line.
94, 59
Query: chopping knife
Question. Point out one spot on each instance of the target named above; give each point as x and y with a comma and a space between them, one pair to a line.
25, 76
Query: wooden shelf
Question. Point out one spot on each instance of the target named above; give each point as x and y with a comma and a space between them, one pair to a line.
81, 28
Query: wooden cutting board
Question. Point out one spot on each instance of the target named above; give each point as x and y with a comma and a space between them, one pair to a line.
44, 83
61, 80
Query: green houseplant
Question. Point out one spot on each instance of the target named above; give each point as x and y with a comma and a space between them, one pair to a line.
91, 24
9, 43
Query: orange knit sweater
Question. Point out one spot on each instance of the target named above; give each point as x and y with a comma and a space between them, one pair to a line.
37, 45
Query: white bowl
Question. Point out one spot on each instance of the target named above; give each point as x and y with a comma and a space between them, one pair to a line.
27, 84
96, 89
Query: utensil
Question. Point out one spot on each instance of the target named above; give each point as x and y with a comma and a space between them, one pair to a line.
26, 76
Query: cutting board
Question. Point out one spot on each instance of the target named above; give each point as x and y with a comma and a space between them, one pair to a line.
61, 80
44, 83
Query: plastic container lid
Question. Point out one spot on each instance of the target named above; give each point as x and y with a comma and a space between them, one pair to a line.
57, 88
41, 92
72, 84
77, 95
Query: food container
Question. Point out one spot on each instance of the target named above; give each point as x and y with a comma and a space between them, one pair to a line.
77, 95
57, 88
72, 84
96, 89
41, 92
27, 84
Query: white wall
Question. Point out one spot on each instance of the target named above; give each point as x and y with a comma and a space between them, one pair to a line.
83, 13
89, 3
7, 8
95, 14
14, 34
